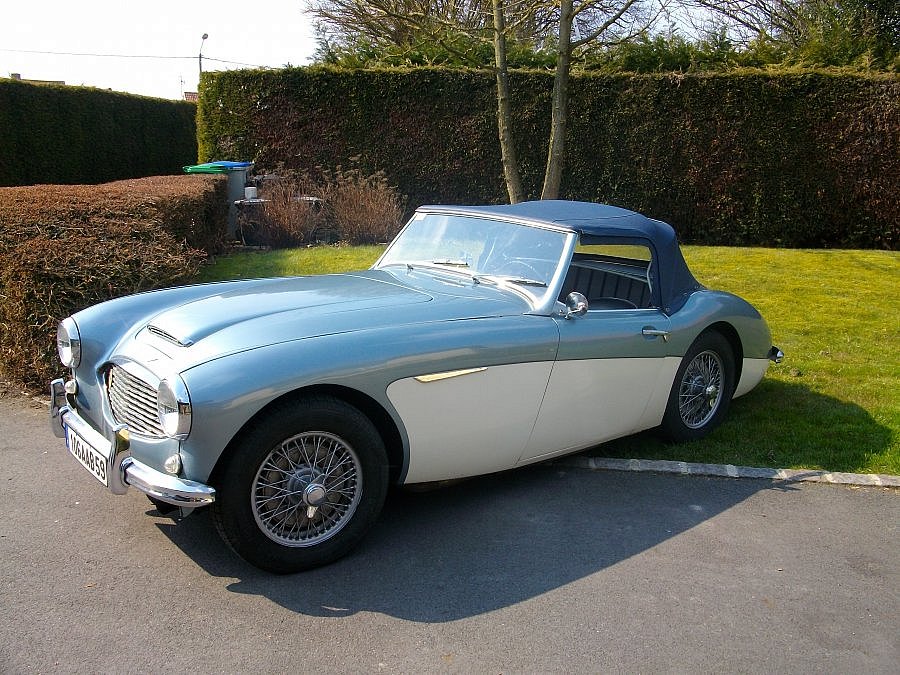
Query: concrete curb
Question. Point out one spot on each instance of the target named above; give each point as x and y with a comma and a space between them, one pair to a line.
729, 471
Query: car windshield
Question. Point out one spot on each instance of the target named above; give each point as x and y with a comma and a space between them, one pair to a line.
479, 247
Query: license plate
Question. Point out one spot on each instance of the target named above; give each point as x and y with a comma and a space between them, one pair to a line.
90, 457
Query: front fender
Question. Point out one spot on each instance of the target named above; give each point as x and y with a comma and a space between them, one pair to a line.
227, 392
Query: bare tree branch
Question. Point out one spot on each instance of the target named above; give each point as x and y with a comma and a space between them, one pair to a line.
403, 24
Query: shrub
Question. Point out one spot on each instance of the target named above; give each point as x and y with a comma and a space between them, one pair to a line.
190, 208
341, 205
363, 209
44, 280
797, 159
291, 215
63, 248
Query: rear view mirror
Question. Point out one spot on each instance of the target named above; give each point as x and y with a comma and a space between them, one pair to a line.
576, 305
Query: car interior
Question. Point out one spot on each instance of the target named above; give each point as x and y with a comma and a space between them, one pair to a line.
609, 281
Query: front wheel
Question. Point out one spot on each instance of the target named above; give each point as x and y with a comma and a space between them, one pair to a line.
702, 389
302, 486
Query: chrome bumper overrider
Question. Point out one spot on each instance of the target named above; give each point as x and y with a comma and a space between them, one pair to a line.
776, 355
123, 470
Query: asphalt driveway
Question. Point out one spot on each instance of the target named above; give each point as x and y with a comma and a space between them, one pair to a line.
544, 569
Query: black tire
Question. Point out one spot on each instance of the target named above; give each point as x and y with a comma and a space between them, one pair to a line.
702, 390
302, 485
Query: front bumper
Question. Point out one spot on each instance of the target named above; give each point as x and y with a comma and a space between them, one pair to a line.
123, 470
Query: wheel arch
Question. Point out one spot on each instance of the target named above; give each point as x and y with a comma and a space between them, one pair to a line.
729, 332
372, 409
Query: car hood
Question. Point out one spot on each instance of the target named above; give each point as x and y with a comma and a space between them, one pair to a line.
240, 315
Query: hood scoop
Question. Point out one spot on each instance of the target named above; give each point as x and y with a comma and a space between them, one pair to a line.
168, 337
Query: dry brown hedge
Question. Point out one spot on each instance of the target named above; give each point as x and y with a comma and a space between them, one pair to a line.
190, 208
63, 248
325, 206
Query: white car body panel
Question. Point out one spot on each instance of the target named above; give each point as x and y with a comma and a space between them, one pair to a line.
592, 401
752, 373
472, 424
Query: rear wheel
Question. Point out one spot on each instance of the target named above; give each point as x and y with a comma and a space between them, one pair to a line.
702, 389
302, 486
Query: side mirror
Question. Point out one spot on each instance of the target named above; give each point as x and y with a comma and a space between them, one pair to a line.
576, 305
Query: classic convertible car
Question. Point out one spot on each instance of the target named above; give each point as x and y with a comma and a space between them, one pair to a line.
484, 338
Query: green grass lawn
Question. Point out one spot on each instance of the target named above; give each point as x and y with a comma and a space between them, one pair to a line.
287, 262
833, 404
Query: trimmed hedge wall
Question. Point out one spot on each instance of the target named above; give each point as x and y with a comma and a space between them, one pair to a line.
800, 159
66, 247
79, 135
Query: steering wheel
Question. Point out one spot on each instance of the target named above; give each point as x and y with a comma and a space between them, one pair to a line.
531, 272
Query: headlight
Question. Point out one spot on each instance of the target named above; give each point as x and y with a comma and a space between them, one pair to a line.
68, 343
174, 407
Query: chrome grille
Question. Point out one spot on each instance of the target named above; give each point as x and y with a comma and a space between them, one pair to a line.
133, 402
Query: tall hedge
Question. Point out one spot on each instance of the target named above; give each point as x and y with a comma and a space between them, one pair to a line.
79, 135
65, 247
791, 159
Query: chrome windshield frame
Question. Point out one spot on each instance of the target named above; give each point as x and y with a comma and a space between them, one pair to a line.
542, 303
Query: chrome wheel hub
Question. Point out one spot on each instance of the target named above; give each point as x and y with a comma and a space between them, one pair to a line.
307, 489
700, 391
314, 494
303, 486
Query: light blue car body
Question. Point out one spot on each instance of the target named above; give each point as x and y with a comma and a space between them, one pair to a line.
365, 337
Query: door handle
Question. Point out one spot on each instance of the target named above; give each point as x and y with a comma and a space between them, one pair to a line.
653, 332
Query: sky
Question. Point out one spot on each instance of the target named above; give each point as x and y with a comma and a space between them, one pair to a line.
269, 33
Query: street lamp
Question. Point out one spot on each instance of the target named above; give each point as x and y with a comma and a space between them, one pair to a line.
200, 58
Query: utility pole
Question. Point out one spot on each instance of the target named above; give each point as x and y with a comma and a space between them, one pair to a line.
200, 58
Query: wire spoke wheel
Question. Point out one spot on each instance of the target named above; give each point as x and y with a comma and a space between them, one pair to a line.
301, 485
307, 489
700, 391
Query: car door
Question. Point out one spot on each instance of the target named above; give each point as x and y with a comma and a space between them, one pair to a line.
477, 390
611, 378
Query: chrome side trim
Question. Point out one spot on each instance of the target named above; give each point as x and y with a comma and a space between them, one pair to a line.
450, 423
436, 377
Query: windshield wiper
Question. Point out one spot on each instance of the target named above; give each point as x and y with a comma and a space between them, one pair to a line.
435, 266
452, 262
522, 281
526, 282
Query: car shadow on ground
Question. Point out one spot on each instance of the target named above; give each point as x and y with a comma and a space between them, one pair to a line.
483, 544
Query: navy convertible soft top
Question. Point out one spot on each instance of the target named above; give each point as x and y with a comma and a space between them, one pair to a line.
604, 224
